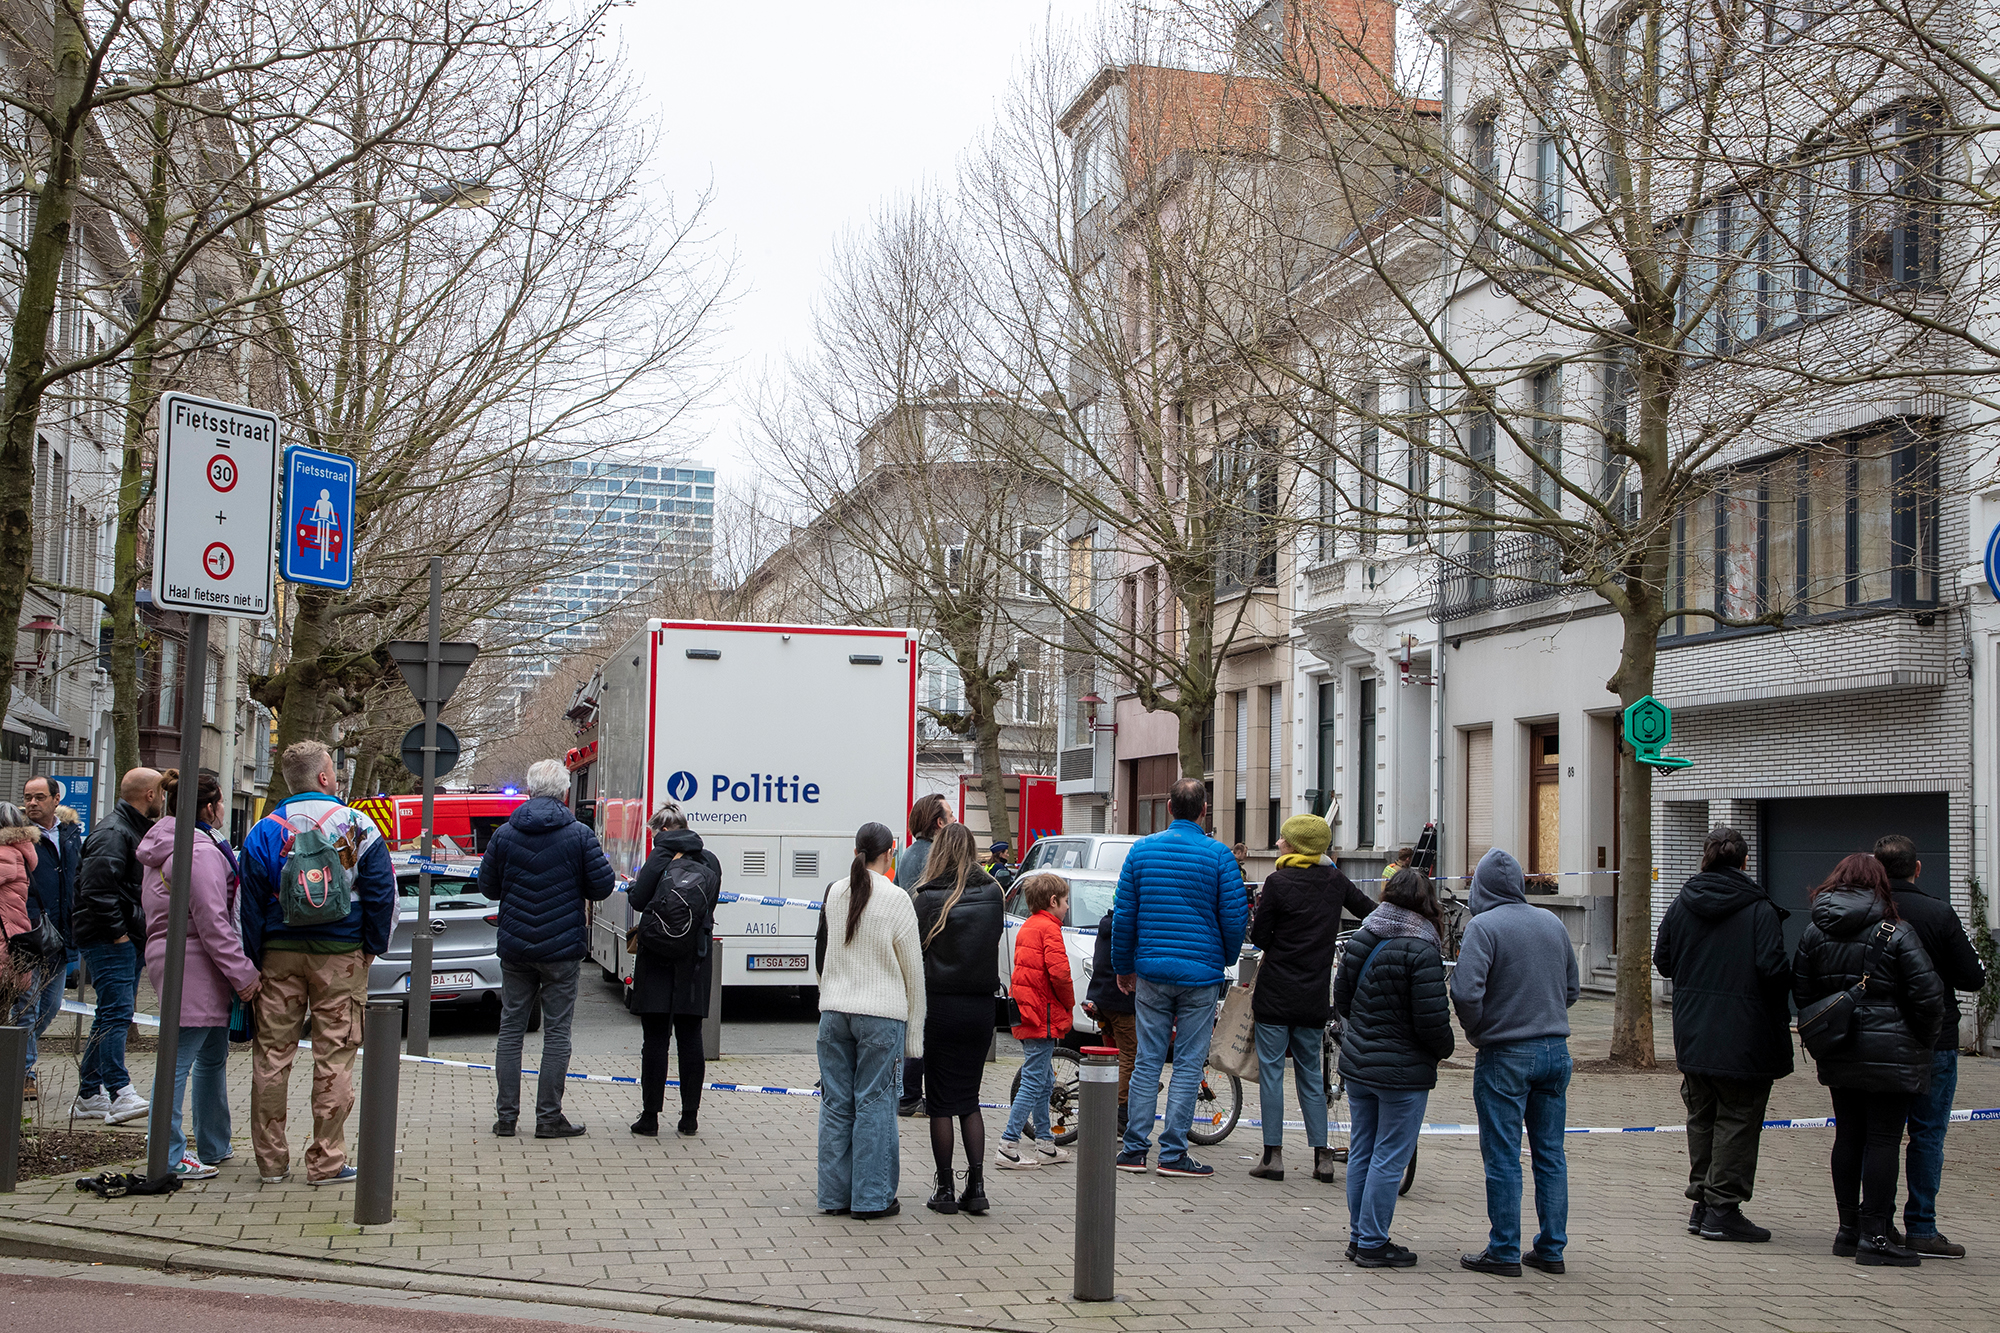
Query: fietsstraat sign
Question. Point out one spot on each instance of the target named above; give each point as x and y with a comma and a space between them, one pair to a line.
214, 505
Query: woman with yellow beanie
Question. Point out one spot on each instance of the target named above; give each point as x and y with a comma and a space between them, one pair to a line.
1298, 927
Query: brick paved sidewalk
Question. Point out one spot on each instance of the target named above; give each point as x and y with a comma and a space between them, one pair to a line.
731, 1217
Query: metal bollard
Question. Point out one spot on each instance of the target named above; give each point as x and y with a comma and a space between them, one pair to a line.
1097, 1176
13, 1083
375, 1149
711, 1027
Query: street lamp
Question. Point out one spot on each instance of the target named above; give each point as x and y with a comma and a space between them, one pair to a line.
458, 194
1091, 703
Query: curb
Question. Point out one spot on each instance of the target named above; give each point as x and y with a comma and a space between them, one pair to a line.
63, 1240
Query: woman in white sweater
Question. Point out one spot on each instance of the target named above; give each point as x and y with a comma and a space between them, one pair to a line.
871, 1014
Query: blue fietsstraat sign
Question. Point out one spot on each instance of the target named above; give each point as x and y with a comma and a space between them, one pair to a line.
317, 533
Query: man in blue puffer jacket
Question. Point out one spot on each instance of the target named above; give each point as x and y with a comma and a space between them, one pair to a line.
1176, 923
541, 866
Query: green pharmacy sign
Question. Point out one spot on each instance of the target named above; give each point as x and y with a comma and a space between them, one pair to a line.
1648, 728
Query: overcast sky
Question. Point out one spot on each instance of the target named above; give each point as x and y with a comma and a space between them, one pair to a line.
806, 114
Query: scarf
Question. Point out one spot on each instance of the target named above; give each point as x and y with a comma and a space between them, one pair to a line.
1389, 921
1297, 861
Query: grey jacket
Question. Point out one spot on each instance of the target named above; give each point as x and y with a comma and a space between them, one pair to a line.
1516, 976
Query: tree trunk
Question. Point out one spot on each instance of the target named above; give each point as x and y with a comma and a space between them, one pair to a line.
986, 739
1197, 690
1632, 1010
305, 683
27, 359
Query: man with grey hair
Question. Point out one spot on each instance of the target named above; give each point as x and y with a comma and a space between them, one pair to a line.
542, 866
311, 965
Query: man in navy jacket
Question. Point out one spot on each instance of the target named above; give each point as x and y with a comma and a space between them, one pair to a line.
51, 887
542, 866
321, 970
1177, 922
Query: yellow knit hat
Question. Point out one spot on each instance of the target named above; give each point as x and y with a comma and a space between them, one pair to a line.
1308, 835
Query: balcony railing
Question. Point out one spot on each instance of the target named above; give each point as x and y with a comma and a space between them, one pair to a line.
1515, 571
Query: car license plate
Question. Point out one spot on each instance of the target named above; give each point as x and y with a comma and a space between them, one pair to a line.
449, 980
777, 962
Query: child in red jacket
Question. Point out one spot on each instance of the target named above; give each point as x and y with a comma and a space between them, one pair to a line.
1042, 988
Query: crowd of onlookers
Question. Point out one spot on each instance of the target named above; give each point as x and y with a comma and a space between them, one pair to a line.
283, 932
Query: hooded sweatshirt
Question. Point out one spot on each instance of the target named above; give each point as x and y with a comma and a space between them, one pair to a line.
1516, 976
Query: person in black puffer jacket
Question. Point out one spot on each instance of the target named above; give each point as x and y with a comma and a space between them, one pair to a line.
671, 997
1397, 1026
1877, 1071
541, 866
1115, 1011
1722, 944
1297, 925
959, 921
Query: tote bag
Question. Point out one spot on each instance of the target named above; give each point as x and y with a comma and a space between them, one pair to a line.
1233, 1047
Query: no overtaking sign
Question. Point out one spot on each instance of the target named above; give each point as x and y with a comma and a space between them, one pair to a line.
214, 498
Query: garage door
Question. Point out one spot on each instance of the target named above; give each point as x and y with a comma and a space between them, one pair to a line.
1804, 839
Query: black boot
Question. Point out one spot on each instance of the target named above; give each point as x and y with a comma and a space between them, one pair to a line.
1848, 1238
943, 1201
1273, 1165
648, 1124
690, 1113
1728, 1223
974, 1199
1879, 1249
1694, 1219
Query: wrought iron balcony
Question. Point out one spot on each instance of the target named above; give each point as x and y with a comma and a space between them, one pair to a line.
1510, 572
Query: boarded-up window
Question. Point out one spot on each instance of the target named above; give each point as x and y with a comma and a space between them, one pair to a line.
1478, 795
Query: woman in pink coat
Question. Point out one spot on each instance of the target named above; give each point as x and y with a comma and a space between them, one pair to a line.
216, 968
18, 837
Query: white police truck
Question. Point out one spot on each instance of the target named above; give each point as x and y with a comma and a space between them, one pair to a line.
777, 742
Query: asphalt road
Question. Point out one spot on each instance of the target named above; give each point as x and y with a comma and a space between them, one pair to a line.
45, 1294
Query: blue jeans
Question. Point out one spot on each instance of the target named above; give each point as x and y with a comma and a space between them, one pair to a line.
1038, 1081
36, 1007
1929, 1114
205, 1051
1379, 1144
1274, 1040
114, 973
1183, 1018
1511, 1083
860, 1068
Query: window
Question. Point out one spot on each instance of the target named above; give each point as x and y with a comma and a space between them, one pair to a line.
1616, 379
1080, 572
1328, 757
1364, 765
1274, 719
1837, 526
1417, 465
1480, 496
1368, 457
170, 670
210, 686
1030, 566
1546, 435
1030, 685
1892, 223
954, 567
1486, 168
1242, 697
1329, 491
1244, 476
1549, 172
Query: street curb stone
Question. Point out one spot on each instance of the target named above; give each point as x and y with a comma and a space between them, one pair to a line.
70, 1242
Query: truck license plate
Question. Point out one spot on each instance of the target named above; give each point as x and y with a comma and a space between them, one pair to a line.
449, 980
777, 962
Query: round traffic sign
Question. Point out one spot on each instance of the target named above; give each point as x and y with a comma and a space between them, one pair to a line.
222, 472
218, 560
413, 750
1993, 561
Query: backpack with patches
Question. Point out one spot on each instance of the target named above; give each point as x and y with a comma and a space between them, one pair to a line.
314, 887
676, 923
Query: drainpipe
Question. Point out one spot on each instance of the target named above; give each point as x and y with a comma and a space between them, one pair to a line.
1437, 652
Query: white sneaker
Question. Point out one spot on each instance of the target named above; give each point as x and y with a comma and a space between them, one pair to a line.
188, 1168
128, 1105
94, 1107
1011, 1158
1050, 1154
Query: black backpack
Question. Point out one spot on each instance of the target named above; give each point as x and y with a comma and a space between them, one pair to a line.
676, 924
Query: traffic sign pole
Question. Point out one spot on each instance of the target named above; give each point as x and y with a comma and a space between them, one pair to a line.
420, 944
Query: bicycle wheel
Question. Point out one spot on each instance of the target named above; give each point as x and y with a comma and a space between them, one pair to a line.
1409, 1175
1217, 1107
1065, 1097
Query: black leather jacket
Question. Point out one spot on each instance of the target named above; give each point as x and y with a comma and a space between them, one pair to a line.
1889, 1049
107, 885
964, 959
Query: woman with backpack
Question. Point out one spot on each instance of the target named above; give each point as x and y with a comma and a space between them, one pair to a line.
1397, 1026
871, 1003
675, 896
1043, 991
1856, 942
960, 918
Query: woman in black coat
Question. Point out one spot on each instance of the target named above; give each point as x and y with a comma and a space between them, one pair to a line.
1396, 1027
671, 998
1297, 925
1877, 1070
959, 920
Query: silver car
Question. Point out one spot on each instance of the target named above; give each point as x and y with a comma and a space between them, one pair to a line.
465, 969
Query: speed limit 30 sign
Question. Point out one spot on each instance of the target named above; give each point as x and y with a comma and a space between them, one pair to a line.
214, 507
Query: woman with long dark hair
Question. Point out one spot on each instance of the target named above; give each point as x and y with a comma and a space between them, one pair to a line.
1390, 990
670, 995
959, 917
871, 1003
1874, 1073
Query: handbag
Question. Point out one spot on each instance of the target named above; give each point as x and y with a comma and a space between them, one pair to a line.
37, 944
1014, 1019
1232, 1048
1827, 1023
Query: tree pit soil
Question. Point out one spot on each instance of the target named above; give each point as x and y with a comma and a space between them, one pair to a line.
75, 1152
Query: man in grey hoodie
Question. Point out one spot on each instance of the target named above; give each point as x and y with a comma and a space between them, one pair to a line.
1515, 981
